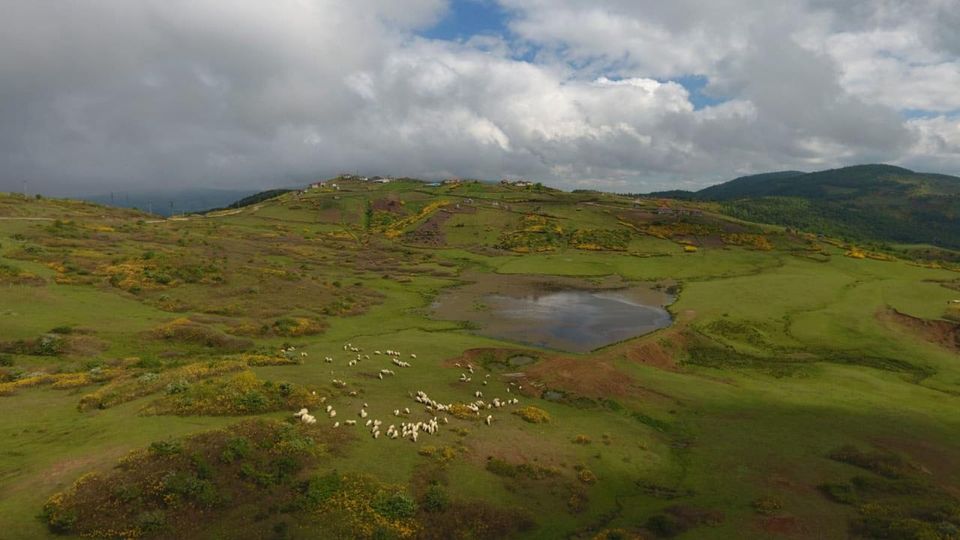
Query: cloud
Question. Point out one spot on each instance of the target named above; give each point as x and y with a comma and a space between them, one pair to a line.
117, 94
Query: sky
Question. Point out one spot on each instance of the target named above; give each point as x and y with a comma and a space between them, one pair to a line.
617, 95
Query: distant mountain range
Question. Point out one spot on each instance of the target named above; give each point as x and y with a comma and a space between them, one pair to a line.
875, 202
167, 203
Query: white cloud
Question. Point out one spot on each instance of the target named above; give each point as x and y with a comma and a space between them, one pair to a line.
111, 92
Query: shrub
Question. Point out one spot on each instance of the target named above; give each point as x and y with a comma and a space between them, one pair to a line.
239, 394
178, 387
581, 439
500, 467
461, 411
152, 521
236, 448
666, 525
840, 493
161, 492
534, 415
165, 448
6, 360
767, 505
587, 477
49, 345
435, 499
883, 463
318, 489
395, 505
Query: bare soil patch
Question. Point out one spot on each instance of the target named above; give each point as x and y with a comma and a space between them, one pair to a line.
943, 333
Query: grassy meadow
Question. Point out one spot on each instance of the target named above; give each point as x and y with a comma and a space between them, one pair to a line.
150, 370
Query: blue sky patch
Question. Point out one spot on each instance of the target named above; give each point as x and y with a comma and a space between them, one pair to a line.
467, 18
696, 84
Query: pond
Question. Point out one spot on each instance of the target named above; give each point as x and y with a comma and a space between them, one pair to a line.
559, 316
578, 321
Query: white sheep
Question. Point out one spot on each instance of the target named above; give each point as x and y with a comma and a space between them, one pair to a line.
489, 419
333, 414
336, 424
413, 356
301, 412
350, 422
308, 419
363, 413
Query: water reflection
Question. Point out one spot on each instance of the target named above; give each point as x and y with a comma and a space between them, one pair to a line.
578, 321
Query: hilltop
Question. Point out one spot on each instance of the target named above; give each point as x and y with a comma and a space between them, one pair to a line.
876, 202
788, 385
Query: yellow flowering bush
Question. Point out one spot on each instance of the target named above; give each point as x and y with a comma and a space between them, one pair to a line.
240, 394
127, 389
534, 415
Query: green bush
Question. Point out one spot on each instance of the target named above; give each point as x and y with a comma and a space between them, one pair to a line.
318, 489
178, 387
841, 493
152, 521
435, 499
395, 505
666, 525
165, 448
236, 448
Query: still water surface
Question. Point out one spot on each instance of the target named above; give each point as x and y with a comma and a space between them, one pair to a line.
577, 321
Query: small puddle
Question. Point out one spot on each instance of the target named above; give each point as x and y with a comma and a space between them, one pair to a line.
520, 360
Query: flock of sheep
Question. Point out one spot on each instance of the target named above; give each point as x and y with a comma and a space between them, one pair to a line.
406, 430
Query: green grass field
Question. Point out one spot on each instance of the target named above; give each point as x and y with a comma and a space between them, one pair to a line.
734, 422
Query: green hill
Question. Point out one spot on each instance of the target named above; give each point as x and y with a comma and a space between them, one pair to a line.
875, 202
748, 381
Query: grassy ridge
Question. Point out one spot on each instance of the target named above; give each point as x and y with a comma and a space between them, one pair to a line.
865, 202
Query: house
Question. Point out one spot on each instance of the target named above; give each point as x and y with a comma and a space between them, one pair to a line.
516, 183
